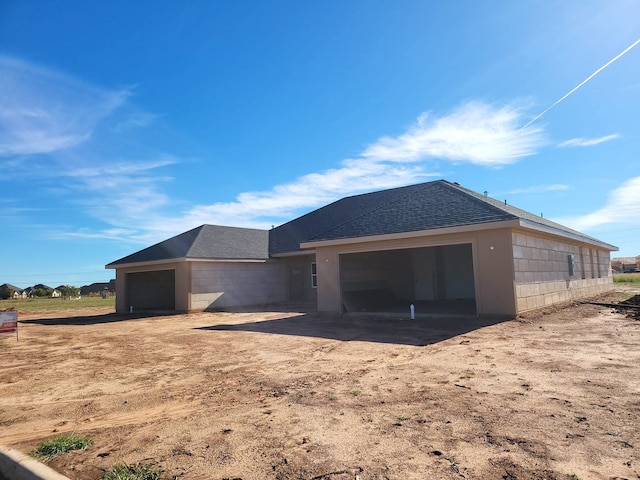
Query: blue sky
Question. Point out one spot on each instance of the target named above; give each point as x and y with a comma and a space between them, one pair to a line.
124, 123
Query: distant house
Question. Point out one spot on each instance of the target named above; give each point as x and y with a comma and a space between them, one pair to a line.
436, 245
98, 288
8, 291
29, 291
19, 294
50, 292
626, 264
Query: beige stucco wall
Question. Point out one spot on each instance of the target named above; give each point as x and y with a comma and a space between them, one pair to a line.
230, 284
494, 273
492, 264
514, 270
542, 276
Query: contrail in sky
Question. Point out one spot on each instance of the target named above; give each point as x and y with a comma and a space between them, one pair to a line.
582, 83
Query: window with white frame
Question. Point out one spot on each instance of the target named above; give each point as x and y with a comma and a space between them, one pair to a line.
314, 275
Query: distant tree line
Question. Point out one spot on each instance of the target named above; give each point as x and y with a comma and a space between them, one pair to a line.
6, 292
67, 291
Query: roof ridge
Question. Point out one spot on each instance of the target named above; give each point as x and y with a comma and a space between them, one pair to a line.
523, 214
357, 195
411, 190
477, 197
193, 242
217, 229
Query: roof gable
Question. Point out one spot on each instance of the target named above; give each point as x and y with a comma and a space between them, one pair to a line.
211, 242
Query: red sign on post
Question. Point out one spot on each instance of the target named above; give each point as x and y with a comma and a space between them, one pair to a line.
9, 323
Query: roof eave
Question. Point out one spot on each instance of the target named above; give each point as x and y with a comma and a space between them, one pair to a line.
113, 266
417, 233
518, 222
294, 253
530, 225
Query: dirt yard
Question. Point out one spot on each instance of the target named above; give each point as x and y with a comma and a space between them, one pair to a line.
288, 395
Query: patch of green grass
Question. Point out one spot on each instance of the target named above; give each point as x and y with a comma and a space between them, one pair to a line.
36, 305
403, 419
356, 393
633, 278
60, 445
573, 476
333, 398
136, 471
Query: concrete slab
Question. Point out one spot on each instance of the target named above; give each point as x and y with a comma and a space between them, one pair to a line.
16, 465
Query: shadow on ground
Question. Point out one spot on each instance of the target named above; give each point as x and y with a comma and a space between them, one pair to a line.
93, 319
366, 328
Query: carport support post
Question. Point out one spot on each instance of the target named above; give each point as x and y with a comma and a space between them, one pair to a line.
412, 309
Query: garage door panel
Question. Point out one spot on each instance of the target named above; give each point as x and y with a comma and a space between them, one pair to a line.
151, 290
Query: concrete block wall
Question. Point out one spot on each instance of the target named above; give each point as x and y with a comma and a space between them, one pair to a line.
542, 275
231, 284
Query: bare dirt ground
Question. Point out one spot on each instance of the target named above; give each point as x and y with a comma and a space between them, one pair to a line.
293, 395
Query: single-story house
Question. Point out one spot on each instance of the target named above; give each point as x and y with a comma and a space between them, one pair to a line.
626, 264
49, 292
99, 288
8, 291
435, 245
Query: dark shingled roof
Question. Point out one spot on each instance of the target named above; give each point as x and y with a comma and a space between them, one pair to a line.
425, 206
524, 215
12, 287
207, 242
287, 237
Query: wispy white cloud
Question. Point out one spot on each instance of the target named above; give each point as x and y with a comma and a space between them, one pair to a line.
588, 142
556, 187
259, 209
118, 169
135, 120
622, 207
43, 111
125, 195
476, 132
143, 211
107, 234
46, 112
47, 119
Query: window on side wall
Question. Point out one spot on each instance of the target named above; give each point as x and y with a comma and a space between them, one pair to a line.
314, 275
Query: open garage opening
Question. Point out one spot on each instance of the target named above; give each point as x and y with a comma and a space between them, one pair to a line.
436, 280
